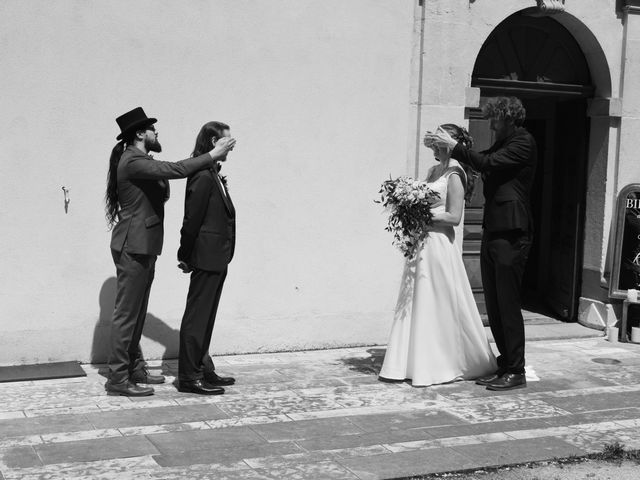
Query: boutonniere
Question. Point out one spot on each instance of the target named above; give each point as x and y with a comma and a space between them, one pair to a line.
223, 180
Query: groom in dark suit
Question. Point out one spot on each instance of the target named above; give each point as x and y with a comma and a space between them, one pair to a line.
508, 170
207, 243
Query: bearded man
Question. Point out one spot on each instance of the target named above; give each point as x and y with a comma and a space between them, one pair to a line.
137, 189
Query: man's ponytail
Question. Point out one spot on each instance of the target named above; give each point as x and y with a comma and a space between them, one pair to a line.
111, 196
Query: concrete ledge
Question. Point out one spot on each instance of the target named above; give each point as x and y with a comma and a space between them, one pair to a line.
595, 314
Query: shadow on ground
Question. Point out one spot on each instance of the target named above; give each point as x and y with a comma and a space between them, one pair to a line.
368, 365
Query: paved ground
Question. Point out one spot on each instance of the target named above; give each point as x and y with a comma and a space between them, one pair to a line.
586, 470
324, 415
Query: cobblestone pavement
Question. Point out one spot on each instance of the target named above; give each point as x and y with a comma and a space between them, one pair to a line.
324, 415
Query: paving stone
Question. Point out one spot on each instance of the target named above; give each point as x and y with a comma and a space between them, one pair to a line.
276, 405
226, 455
310, 471
404, 420
505, 408
41, 425
408, 463
91, 450
19, 457
365, 439
594, 441
518, 451
304, 429
181, 442
596, 402
211, 475
6, 415
593, 417
369, 379
155, 416
112, 469
570, 382
485, 427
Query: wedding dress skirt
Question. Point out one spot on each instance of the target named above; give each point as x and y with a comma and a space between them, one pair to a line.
437, 334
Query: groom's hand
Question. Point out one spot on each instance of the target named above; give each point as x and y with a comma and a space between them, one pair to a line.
443, 139
429, 139
184, 267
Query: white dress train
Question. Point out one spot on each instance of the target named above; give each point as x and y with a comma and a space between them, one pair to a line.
437, 334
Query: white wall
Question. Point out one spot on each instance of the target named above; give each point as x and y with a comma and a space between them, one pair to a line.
317, 94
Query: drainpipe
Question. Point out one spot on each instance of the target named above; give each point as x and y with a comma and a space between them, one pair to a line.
416, 172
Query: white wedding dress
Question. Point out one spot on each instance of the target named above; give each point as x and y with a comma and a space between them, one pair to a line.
437, 334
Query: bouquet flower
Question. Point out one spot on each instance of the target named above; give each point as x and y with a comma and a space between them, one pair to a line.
409, 204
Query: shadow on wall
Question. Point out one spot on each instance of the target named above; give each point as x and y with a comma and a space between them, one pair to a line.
106, 299
154, 328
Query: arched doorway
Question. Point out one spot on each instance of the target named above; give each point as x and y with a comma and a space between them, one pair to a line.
537, 59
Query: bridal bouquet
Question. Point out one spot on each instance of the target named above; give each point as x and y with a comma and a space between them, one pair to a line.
409, 203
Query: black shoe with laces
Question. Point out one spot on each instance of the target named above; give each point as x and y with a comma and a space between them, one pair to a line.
509, 381
200, 387
487, 379
127, 389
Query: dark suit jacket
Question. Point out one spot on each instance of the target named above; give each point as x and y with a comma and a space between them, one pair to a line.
208, 234
508, 169
142, 191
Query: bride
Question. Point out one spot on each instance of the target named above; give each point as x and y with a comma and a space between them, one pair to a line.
437, 334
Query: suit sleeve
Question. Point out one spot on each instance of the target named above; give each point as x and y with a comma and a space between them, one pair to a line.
195, 207
142, 167
516, 153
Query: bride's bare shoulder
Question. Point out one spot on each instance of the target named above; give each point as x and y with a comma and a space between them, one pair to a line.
453, 163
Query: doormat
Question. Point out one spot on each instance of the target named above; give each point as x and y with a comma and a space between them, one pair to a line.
42, 371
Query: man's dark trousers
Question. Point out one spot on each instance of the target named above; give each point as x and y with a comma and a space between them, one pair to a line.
134, 278
503, 258
205, 289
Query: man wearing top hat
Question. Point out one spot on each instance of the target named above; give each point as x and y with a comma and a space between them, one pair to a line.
137, 188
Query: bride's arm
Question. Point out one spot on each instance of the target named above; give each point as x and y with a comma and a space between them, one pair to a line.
454, 203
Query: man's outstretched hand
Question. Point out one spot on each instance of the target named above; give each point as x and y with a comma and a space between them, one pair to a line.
442, 139
223, 146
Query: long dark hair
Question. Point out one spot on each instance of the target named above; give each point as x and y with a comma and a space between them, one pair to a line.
208, 131
462, 136
112, 204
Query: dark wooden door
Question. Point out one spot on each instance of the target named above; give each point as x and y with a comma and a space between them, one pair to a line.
567, 207
482, 139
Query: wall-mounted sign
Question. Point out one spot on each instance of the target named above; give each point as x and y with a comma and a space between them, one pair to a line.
626, 262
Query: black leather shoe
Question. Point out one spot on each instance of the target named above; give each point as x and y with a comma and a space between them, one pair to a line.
487, 379
128, 389
509, 381
200, 387
212, 378
143, 376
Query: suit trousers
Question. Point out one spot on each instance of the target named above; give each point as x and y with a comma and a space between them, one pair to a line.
199, 317
134, 278
503, 257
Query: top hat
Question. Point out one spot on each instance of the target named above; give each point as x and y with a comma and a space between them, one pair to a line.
132, 120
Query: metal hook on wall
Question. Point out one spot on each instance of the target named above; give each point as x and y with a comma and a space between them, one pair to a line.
67, 199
